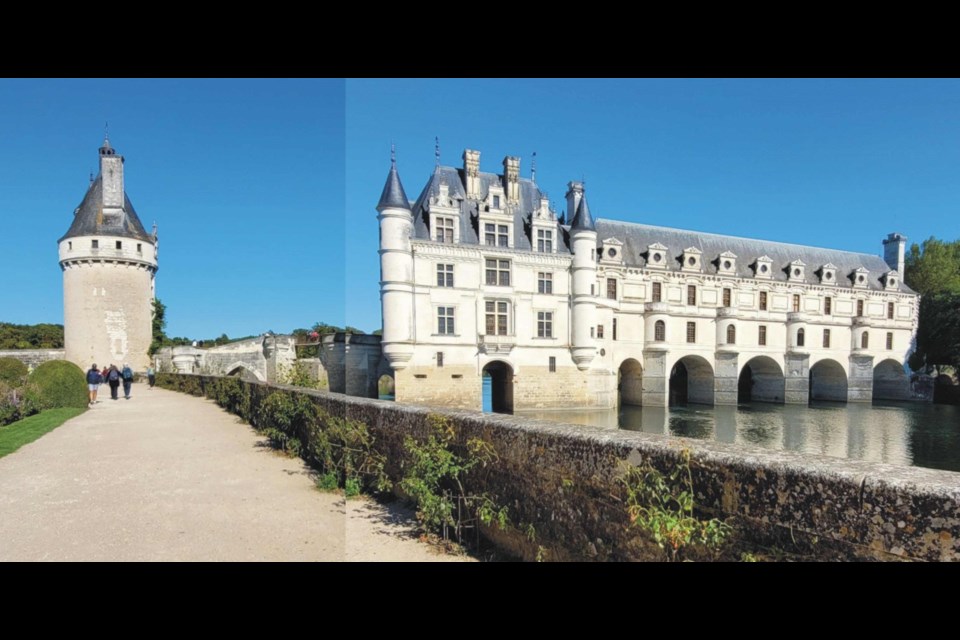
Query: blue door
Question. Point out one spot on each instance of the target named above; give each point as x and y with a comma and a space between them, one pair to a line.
487, 393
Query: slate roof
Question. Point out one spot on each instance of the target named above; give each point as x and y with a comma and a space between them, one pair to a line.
638, 237
393, 194
88, 218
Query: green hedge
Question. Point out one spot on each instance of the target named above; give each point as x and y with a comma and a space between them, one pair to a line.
13, 372
58, 384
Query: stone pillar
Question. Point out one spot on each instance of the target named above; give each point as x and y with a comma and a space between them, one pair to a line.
655, 378
333, 356
860, 379
725, 378
797, 379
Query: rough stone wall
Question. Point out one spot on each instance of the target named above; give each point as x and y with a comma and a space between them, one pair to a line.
563, 480
107, 314
34, 357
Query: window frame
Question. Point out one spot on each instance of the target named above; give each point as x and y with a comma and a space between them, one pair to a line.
659, 331
762, 335
691, 333
498, 270
445, 224
445, 275
545, 282
656, 292
497, 315
448, 314
691, 295
544, 323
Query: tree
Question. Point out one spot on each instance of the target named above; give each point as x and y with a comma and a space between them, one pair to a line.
938, 336
934, 267
159, 324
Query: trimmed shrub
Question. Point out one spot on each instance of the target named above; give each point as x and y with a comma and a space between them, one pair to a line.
13, 372
58, 384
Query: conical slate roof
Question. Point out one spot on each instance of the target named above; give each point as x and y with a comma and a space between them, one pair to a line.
88, 218
582, 220
393, 195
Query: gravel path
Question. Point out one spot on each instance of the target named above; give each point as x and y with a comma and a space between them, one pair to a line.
166, 476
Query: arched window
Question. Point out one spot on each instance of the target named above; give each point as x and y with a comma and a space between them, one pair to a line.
801, 337
731, 334
659, 331
865, 340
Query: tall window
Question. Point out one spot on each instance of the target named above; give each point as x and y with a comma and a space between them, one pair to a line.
827, 306
890, 310
796, 302
801, 337
445, 321
544, 324
439, 359
657, 291
496, 202
498, 272
600, 331
614, 329
865, 340
889, 340
762, 336
727, 295
659, 331
826, 338
691, 294
444, 275
497, 312
553, 364
544, 282
731, 334
502, 235
490, 234
444, 230
859, 308
544, 241
691, 332
612, 288
763, 301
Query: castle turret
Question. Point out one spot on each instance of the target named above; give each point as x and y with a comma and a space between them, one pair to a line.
109, 264
583, 242
396, 270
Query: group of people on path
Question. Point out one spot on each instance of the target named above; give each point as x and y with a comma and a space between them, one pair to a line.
113, 376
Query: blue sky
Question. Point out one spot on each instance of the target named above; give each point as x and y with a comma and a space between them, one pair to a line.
244, 178
264, 190
832, 163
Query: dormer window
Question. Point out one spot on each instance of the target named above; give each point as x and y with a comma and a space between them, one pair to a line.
859, 278
544, 240
612, 251
763, 267
496, 202
796, 271
691, 259
443, 231
496, 235
828, 274
891, 280
657, 256
727, 263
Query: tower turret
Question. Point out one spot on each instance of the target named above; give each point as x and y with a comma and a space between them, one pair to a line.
109, 265
583, 242
396, 270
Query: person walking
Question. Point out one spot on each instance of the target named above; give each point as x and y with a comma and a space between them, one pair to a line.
151, 376
93, 383
113, 378
127, 375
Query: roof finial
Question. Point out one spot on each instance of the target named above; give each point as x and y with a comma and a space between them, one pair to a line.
106, 133
533, 168
91, 177
393, 154
437, 149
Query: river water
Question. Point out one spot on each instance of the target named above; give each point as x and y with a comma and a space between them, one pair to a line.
918, 434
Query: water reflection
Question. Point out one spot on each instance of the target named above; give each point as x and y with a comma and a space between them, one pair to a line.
924, 435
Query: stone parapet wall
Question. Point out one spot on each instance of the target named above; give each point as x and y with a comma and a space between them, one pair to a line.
35, 357
563, 480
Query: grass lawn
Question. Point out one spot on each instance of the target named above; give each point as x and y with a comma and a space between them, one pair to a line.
16, 434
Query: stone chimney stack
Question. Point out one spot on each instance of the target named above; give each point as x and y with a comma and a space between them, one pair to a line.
574, 194
894, 251
511, 179
471, 172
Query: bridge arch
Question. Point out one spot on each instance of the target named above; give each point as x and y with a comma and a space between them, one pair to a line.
691, 380
761, 380
630, 382
890, 381
828, 381
241, 370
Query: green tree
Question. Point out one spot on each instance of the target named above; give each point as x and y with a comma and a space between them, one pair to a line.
938, 336
933, 267
159, 324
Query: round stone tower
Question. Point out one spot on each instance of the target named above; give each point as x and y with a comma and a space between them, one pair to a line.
583, 240
109, 263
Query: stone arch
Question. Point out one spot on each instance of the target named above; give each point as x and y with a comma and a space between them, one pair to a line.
497, 390
828, 381
890, 381
630, 382
691, 380
761, 380
241, 370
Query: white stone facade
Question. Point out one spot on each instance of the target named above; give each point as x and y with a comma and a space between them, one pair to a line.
584, 313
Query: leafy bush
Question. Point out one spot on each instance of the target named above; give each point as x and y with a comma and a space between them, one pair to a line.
57, 384
13, 372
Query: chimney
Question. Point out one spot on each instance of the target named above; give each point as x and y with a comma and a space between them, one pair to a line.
471, 171
511, 179
574, 193
894, 251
